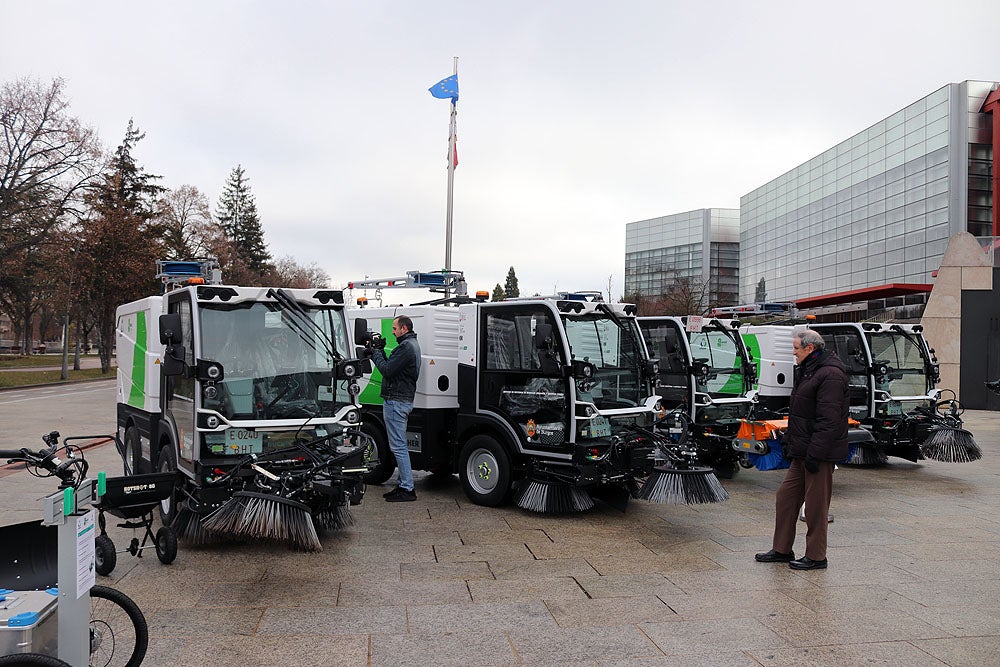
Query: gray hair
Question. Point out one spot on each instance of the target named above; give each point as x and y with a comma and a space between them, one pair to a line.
810, 337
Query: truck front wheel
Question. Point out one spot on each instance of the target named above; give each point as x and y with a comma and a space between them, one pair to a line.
167, 462
386, 461
485, 470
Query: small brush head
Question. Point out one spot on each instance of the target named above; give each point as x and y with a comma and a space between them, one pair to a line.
866, 455
552, 497
334, 517
190, 527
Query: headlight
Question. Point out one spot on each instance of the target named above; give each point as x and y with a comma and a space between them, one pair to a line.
353, 417
212, 421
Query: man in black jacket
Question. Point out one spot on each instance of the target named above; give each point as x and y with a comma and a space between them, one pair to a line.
400, 371
816, 439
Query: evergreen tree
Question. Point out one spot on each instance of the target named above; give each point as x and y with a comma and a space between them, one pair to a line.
237, 214
761, 295
121, 241
497, 293
510, 288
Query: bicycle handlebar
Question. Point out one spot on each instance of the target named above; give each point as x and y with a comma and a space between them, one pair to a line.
72, 470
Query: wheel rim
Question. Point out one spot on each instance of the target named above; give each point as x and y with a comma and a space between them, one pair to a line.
167, 504
483, 471
132, 450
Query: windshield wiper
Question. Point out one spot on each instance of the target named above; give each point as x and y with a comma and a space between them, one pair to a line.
300, 322
607, 310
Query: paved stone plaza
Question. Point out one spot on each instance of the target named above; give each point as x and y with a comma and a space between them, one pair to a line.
914, 579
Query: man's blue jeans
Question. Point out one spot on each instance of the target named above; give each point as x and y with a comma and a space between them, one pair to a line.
395, 414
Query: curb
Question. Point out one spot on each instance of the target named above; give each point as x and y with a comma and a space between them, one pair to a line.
56, 384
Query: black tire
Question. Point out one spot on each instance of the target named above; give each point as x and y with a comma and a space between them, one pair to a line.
485, 471
133, 451
118, 631
31, 660
386, 461
105, 557
166, 545
167, 462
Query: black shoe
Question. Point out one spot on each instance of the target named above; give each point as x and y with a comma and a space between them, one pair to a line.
773, 556
389, 493
401, 495
806, 563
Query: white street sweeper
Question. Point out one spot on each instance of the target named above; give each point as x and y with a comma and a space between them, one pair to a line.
707, 373
250, 395
548, 400
893, 376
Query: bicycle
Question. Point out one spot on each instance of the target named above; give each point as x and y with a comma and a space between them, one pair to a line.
116, 632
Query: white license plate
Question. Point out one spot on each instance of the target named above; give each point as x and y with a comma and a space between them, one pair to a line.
244, 441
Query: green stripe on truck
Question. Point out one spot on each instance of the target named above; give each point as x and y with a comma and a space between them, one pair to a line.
137, 394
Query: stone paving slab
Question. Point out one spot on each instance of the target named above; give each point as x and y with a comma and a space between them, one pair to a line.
914, 579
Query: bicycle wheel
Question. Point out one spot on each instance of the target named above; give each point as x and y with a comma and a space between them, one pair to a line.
31, 660
118, 632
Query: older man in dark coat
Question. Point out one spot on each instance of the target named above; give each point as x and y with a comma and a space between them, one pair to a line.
816, 439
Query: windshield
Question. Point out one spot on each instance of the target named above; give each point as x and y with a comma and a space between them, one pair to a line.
719, 352
612, 350
907, 371
276, 364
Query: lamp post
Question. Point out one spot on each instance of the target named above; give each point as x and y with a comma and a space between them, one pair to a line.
64, 375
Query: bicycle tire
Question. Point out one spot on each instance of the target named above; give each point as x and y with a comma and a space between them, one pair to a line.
31, 660
119, 635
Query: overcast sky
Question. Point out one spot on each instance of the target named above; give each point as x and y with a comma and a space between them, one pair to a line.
575, 117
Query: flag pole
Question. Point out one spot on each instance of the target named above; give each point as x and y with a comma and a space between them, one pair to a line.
451, 180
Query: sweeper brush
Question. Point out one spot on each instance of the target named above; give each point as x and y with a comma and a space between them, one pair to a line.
866, 455
190, 527
950, 445
266, 516
552, 497
683, 486
334, 518
677, 480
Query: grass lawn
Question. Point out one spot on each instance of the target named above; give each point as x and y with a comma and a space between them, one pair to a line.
29, 378
35, 360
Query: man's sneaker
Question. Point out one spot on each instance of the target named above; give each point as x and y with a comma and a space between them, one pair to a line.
391, 491
400, 495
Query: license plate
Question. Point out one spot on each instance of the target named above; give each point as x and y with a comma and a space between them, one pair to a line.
244, 441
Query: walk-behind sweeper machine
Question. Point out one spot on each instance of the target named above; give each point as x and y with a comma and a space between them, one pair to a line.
547, 401
892, 378
248, 394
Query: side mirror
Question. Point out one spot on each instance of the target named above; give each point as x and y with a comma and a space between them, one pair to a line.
361, 334
170, 329
173, 361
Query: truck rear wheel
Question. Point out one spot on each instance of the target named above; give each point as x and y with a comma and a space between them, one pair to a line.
486, 471
386, 461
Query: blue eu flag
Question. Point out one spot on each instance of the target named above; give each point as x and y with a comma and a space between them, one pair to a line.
446, 88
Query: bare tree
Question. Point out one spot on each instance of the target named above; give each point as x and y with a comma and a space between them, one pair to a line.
47, 158
188, 228
685, 297
289, 273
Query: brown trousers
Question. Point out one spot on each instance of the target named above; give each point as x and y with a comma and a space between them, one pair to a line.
816, 490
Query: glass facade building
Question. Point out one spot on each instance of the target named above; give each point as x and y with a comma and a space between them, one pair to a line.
877, 208
701, 246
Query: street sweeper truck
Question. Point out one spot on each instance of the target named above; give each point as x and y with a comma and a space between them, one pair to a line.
707, 372
249, 394
893, 375
544, 400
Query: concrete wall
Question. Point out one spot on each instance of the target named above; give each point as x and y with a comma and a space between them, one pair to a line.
965, 269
